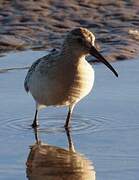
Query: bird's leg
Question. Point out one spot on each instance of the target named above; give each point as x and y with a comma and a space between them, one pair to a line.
35, 122
36, 135
69, 116
70, 142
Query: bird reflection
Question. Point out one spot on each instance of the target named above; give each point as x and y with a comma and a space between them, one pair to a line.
55, 163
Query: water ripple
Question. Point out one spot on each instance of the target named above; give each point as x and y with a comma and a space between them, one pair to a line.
53, 124
81, 124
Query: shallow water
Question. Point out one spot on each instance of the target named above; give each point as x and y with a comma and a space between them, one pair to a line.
105, 126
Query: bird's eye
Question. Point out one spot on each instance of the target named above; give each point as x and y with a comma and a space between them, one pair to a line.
80, 40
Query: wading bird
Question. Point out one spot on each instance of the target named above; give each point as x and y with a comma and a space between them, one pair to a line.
63, 78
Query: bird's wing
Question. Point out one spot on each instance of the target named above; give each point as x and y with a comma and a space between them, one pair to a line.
29, 73
34, 66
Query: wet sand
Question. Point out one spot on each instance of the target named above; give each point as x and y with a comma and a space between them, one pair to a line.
42, 24
105, 126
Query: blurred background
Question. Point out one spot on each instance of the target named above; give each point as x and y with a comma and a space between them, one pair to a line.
41, 24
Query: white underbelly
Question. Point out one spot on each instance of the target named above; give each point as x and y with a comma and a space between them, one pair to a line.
60, 92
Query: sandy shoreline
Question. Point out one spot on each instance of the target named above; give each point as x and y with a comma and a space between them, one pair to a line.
42, 24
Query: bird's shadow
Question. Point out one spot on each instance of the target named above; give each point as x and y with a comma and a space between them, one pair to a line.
55, 163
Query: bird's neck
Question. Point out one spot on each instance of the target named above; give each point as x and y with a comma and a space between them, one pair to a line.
71, 53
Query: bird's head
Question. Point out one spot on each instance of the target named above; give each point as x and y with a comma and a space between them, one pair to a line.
82, 42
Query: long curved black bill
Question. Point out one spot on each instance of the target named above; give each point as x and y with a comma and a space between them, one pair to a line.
96, 54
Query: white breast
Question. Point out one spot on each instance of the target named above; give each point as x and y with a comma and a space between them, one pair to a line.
83, 82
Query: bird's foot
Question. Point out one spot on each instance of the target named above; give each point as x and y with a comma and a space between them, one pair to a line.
35, 125
67, 127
